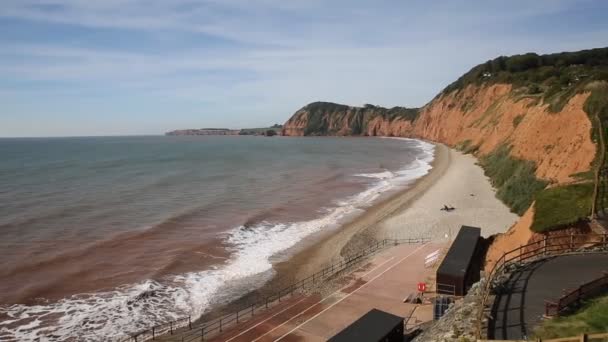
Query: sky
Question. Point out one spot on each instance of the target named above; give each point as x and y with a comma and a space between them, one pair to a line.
130, 67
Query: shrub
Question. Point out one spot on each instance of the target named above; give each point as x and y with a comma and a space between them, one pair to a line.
514, 179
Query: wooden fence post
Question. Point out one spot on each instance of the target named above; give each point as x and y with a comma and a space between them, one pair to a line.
545, 246
584, 338
571, 242
520, 251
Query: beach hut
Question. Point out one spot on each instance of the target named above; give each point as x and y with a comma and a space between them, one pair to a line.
462, 264
374, 326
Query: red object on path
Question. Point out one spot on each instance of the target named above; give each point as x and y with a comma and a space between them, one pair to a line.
421, 287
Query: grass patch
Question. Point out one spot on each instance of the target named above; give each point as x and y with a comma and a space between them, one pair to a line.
591, 318
488, 114
596, 106
582, 176
466, 147
517, 120
514, 178
463, 145
561, 206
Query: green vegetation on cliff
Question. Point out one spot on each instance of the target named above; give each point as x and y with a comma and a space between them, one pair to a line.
553, 77
276, 128
514, 179
357, 118
562, 206
597, 108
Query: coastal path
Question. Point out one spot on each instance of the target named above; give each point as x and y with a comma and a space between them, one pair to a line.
520, 305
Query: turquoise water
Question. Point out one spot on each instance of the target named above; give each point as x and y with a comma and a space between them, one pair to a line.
88, 224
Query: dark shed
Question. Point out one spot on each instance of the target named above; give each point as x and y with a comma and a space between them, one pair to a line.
462, 264
374, 326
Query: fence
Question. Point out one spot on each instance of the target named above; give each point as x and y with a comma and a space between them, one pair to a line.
200, 330
575, 297
549, 246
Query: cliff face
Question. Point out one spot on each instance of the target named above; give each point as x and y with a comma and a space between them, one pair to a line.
485, 117
481, 118
324, 118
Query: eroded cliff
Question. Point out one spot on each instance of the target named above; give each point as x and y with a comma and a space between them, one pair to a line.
533, 121
480, 118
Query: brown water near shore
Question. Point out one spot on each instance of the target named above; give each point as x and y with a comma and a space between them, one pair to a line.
326, 248
359, 233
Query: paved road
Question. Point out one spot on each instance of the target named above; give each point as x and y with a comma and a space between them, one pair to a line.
521, 306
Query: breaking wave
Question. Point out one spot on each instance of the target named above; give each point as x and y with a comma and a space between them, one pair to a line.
134, 307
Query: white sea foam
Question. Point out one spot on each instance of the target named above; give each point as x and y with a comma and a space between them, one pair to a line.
109, 315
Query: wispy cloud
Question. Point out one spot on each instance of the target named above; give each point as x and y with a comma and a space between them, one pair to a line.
253, 62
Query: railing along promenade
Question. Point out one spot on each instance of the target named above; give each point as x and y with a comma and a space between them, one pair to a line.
548, 247
575, 297
193, 331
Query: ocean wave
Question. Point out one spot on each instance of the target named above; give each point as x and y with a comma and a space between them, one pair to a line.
131, 308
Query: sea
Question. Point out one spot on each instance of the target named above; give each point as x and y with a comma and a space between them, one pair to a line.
90, 225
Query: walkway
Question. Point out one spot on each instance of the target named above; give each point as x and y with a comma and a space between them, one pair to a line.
382, 283
521, 305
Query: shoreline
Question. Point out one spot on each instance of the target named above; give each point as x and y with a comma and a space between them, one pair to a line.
455, 179
359, 232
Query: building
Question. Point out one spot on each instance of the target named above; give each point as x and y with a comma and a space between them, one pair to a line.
374, 326
461, 267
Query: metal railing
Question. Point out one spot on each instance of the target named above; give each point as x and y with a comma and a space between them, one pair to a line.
192, 331
575, 297
549, 246
448, 289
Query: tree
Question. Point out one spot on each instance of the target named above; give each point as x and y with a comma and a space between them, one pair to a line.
270, 133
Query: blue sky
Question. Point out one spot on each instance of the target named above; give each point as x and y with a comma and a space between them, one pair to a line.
85, 67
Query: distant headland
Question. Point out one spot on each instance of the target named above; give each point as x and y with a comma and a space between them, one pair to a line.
264, 131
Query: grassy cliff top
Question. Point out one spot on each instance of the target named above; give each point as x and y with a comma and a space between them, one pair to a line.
390, 113
553, 77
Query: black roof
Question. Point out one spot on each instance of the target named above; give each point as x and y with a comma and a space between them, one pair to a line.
458, 258
373, 326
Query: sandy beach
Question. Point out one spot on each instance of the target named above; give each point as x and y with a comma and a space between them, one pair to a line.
463, 186
455, 180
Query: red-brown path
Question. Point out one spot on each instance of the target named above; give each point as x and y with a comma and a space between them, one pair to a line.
382, 283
